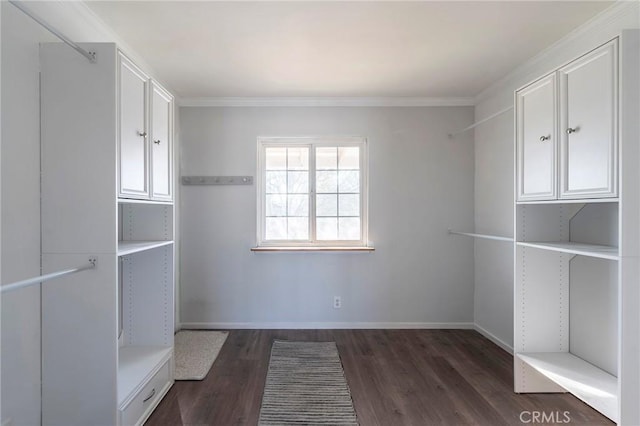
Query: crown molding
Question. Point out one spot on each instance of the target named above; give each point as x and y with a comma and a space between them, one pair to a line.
621, 15
325, 102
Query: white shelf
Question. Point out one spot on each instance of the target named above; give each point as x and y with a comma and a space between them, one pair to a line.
591, 250
141, 201
136, 365
587, 382
570, 201
129, 247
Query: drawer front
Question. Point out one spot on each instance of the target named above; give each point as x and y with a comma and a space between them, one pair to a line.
147, 398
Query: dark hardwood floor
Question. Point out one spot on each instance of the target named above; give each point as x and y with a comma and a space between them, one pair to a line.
396, 377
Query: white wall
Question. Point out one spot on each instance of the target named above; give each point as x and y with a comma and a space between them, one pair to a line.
494, 159
20, 216
421, 183
20, 202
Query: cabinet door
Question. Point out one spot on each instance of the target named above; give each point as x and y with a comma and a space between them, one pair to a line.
133, 151
536, 138
161, 148
588, 105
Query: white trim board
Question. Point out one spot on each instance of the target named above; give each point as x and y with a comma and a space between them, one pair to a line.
324, 102
326, 325
501, 343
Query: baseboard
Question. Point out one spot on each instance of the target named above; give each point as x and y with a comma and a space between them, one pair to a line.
493, 338
325, 325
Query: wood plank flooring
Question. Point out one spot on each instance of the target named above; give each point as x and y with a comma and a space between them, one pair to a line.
396, 377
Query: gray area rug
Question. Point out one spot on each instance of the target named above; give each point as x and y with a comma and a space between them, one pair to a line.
306, 385
195, 351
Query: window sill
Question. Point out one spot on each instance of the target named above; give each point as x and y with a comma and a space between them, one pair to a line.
313, 249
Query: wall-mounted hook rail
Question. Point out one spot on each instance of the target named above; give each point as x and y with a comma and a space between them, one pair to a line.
217, 180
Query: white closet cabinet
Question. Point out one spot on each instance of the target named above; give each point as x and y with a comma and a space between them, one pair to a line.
566, 123
537, 141
107, 334
145, 122
576, 322
161, 148
134, 148
588, 105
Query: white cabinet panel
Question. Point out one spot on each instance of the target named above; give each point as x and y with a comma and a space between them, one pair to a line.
92, 114
588, 123
161, 135
536, 140
133, 141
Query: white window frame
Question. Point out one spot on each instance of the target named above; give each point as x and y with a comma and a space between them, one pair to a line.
312, 143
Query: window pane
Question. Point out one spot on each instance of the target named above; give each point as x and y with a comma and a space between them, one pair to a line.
349, 181
327, 182
327, 228
298, 183
276, 228
326, 158
349, 205
276, 158
298, 158
298, 205
349, 158
298, 228
326, 205
349, 228
276, 182
276, 205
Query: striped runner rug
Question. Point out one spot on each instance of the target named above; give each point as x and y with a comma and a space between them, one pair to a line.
306, 386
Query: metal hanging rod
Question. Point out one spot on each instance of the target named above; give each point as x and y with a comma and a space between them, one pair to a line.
91, 56
36, 280
484, 236
491, 117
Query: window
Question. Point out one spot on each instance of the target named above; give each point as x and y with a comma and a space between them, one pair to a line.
312, 192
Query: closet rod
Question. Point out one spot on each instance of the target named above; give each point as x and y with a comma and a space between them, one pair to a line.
484, 236
91, 56
35, 280
491, 117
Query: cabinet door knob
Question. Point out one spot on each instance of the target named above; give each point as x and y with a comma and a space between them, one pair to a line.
545, 138
142, 134
570, 130
157, 142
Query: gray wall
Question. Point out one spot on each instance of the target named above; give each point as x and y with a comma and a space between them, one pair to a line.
20, 370
421, 183
494, 171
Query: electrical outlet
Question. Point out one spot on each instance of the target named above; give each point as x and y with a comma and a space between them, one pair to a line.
337, 302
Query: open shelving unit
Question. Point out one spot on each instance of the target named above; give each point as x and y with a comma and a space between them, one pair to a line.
567, 313
145, 293
576, 228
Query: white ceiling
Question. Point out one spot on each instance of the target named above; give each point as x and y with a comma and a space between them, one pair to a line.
339, 49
